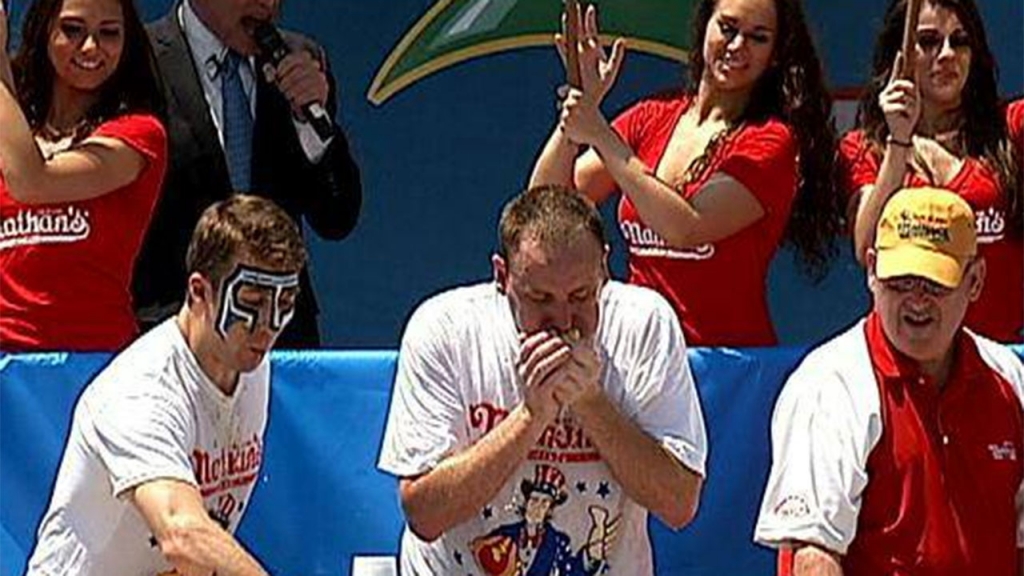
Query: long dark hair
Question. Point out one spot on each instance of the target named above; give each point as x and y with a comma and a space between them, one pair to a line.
794, 90
984, 131
135, 85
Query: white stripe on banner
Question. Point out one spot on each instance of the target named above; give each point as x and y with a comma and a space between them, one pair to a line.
374, 566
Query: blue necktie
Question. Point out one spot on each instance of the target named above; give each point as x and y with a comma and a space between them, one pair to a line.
237, 124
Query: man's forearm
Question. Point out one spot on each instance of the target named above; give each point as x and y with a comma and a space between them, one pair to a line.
648, 474
462, 484
204, 546
810, 560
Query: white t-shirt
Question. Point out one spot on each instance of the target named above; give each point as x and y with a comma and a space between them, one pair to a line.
456, 380
150, 414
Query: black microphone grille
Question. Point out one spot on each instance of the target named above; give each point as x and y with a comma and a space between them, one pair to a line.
270, 42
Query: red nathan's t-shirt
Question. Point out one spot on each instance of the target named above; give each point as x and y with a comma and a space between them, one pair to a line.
65, 267
718, 290
999, 311
1015, 125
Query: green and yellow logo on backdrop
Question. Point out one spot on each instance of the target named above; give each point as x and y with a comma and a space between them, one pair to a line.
453, 31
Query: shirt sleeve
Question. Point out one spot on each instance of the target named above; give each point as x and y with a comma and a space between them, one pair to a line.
142, 132
426, 408
630, 123
666, 399
145, 436
1015, 125
858, 167
821, 438
764, 159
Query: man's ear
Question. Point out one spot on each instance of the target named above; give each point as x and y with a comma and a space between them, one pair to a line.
870, 259
977, 278
199, 290
500, 268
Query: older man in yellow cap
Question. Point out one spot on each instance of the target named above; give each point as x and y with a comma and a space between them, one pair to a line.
897, 446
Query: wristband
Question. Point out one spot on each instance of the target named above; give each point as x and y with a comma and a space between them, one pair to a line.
894, 142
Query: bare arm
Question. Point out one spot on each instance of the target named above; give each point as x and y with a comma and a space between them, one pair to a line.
93, 168
901, 103
462, 484
188, 538
558, 162
720, 209
811, 560
647, 472
6, 77
872, 199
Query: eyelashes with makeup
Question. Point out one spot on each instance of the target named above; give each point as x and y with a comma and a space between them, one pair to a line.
76, 32
730, 32
931, 41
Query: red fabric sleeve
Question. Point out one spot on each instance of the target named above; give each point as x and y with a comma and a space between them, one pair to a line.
143, 132
764, 159
858, 166
1015, 123
630, 123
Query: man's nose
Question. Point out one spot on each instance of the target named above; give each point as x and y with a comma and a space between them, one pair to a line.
560, 317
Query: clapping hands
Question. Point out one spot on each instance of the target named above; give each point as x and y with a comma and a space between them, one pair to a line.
581, 119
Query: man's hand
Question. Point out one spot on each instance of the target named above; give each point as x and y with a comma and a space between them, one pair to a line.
542, 355
579, 378
300, 77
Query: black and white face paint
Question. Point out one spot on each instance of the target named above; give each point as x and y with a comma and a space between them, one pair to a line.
277, 306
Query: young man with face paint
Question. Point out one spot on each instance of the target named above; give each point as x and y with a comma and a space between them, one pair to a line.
493, 382
167, 441
898, 446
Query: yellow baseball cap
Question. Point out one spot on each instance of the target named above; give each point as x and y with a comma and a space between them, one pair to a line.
926, 232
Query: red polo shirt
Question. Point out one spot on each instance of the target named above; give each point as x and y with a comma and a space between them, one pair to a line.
944, 476
872, 460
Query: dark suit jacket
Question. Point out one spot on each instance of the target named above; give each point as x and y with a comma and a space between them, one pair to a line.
327, 194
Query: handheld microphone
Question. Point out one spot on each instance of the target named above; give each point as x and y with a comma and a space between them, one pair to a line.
273, 50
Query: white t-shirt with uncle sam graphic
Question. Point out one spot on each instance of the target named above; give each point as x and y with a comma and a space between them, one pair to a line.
562, 512
150, 414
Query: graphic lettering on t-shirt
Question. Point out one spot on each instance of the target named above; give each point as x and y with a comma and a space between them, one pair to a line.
562, 441
643, 241
44, 225
1004, 451
991, 225
230, 467
533, 545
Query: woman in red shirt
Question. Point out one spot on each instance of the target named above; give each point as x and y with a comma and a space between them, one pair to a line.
712, 178
944, 127
82, 158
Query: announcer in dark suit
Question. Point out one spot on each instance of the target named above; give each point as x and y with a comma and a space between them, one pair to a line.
237, 124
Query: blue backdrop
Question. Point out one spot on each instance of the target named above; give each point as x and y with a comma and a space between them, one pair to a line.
320, 499
441, 157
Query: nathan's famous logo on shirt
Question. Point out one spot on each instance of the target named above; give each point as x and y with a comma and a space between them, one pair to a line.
643, 241
1005, 451
562, 441
44, 225
991, 224
229, 467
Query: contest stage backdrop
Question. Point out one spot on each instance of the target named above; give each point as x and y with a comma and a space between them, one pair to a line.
320, 501
465, 97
